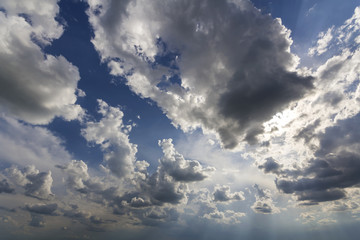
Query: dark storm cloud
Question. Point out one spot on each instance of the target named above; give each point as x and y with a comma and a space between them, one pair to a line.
5, 187
335, 168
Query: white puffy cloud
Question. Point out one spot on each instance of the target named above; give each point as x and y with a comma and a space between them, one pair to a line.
221, 66
112, 135
34, 86
77, 173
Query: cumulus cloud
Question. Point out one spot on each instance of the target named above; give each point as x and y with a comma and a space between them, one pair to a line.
264, 203
168, 183
77, 173
112, 135
36, 184
223, 194
335, 168
180, 169
313, 146
35, 86
187, 61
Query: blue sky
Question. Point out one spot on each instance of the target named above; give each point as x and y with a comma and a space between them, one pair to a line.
179, 119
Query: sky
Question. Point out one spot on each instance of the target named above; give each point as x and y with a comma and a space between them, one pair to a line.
136, 119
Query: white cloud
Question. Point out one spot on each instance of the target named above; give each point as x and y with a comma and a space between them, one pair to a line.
112, 135
35, 86
25, 145
322, 43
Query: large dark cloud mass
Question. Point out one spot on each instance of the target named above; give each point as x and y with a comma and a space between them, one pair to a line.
234, 63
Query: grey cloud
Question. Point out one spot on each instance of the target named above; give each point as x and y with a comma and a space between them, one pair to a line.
335, 168
262, 207
139, 202
270, 166
157, 216
223, 194
230, 87
5, 187
39, 185
47, 209
307, 133
264, 203
180, 169
37, 220
168, 183
36, 184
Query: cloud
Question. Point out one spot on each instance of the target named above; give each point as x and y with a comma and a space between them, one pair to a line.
180, 169
346, 35
335, 168
223, 194
5, 187
41, 208
270, 166
189, 63
313, 146
35, 86
36, 184
322, 44
77, 173
37, 220
30, 145
112, 135
264, 203
168, 183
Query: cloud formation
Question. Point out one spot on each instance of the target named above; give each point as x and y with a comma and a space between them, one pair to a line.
34, 86
335, 168
264, 203
223, 194
5, 187
112, 135
188, 62
41, 208
36, 184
